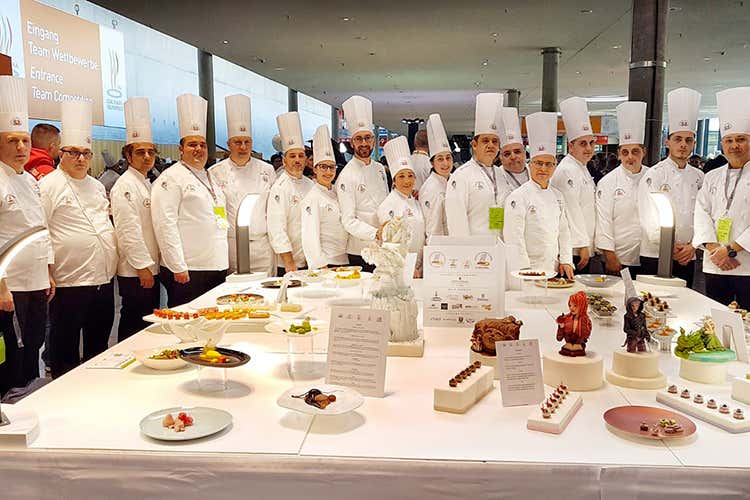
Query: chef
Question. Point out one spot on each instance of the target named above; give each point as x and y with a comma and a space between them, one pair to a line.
680, 181
240, 175
138, 269
512, 150
618, 229
362, 184
83, 240
189, 213
400, 202
574, 181
28, 277
432, 193
536, 230
476, 191
420, 159
324, 238
284, 211
722, 210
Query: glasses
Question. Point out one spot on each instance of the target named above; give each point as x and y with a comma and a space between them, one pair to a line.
144, 152
543, 164
361, 140
77, 154
326, 167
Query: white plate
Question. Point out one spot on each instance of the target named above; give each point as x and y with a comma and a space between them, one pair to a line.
334, 282
361, 303
282, 328
547, 274
143, 357
206, 421
315, 293
346, 400
592, 280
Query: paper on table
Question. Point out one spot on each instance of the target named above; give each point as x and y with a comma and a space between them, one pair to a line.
357, 347
520, 367
114, 360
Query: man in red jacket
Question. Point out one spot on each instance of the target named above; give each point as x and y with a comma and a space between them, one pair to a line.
45, 150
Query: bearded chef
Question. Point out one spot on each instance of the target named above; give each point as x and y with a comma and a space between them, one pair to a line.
432, 192
512, 150
324, 238
536, 230
83, 239
722, 210
618, 229
400, 202
284, 211
680, 182
29, 281
362, 185
189, 213
476, 191
138, 269
240, 175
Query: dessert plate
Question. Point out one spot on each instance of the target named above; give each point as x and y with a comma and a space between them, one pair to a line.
628, 419
206, 421
346, 400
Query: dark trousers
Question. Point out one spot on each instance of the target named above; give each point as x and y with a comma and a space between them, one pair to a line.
76, 309
200, 282
10, 369
280, 271
724, 289
357, 260
137, 302
650, 265
31, 314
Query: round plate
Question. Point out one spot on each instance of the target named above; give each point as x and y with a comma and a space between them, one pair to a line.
346, 400
628, 419
533, 274
598, 280
556, 283
316, 293
239, 299
277, 283
340, 282
310, 275
191, 355
144, 357
206, 421
345, 269
282, 327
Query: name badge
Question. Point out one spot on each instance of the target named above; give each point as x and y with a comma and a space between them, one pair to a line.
497, 218
220, 214
723, 228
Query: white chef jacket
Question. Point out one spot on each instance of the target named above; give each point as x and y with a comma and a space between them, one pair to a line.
324, 238
432, 199
21, 210
255, 177
469, 196
711, 206
682, 186
131, 210
618, 228
409, 209
188, 231
536, 228
285, 215
361, 189
422, 167
574, 181
82, 235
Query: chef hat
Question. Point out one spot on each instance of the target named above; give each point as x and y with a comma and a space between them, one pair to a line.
322, 148
682, 106
290, 130
398, 155
137, 121
238, 115
191, 112
436, 137
631, 122
487, 113
76, 124
542, 130
14, 109
276, 143
510, 130
734, 110
358, 114
575, 114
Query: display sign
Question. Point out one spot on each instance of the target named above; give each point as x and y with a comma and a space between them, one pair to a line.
464, 280
64, 57
520, 369
731, 331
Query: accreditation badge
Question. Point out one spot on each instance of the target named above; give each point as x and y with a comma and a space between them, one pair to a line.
497, 218
220, 214
723, 229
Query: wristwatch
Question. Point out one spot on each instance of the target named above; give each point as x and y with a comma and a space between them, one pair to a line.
731, 252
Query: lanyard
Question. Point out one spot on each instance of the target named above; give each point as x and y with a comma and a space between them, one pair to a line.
209, 186
512, 176
730, 196
492, 178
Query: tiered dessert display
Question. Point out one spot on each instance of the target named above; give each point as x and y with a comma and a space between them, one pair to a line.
464, 389
703, 357
486, 333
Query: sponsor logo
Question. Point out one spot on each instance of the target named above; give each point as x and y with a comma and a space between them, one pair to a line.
294, 199
343, 187
128, 196
512, 203
540, 147
446, 145
135, 134
570, 182
390, 213
308, 209
427, 204
10, 199
147, 203
683, 123
665, 188
727, 126
88, 140
16, 122
532, 210
453, 184
409, 212
599, 193
164, 184
511, 137
277, 198
330, 208
114, 73
479, 185
619, 192
627, 136
585, 127
404, 162
195, 127
243, 128
648, 182
190, 188
360, 123
361, 188
493, 126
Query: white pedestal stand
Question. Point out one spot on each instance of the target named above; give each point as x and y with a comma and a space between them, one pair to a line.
650, 279
580, 373
703, 373
408, 349
741, 390
638, 370
490, 361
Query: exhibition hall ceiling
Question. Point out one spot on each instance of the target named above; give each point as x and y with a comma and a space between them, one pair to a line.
417, 58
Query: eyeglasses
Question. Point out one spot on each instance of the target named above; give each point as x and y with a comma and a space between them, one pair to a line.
77, 154
326, 167
543, 164
144, 152
363, 139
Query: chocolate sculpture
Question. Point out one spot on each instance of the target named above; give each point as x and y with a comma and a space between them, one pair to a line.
488, 331
574, 327
634, 326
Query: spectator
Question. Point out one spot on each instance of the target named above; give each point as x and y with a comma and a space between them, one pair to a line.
45, 150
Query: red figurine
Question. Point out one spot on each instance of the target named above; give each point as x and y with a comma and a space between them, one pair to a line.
574, 327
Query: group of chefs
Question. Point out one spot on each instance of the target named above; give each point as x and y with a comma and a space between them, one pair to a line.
180, 231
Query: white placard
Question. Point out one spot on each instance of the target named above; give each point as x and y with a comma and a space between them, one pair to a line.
629, 286
520, 366
731, 330
464, 281
357, 347
409, 266
112, 361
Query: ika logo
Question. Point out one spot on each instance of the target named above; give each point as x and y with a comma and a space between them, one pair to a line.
586, 127
135, 134
493, 126
16, 122
195, 127
683, 123
727, 126
243, 128
540, 147
511, 136
627, 136
290, 141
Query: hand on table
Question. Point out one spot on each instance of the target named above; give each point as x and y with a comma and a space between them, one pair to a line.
566, 271
584, 255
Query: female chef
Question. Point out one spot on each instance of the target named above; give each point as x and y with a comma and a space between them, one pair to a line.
432, 192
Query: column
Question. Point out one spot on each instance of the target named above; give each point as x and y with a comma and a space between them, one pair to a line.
335, 123
206, 91
293, 100
550, 64
513, 97
699, 144
647, 68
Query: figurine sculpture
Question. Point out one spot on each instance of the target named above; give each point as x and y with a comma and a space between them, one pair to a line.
635, 326
488, 331
574, 327
389, 291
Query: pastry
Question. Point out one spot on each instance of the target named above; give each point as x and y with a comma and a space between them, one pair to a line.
724, 409
738, 414
698, 399
711, 404
685, 394
672, 389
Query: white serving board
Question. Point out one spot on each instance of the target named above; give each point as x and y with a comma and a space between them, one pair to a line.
700, 411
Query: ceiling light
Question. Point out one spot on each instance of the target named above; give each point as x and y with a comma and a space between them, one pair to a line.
345, 19
617, 47
477, 83
225, 42
342, 147
675, 9
279, 69
389, 76
607, 98
578, 72
586, 11
706, 59
485, 62
494, 35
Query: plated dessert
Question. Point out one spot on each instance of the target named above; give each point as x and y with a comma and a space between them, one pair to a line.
240, 298
211, 355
